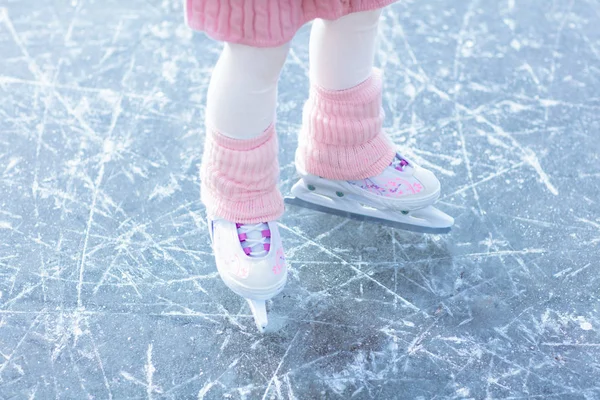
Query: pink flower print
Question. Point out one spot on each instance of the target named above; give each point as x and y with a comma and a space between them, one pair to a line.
394, 187
417, 187
391, 185
280, 262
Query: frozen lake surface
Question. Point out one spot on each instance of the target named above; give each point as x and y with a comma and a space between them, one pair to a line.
108, 287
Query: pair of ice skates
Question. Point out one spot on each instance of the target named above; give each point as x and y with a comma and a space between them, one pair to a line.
250, 258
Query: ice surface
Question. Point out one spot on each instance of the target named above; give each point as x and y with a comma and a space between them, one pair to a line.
107, 283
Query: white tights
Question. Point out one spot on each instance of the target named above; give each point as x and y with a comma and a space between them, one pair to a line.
242, 95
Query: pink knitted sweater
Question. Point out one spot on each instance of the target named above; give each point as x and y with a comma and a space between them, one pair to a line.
266, 23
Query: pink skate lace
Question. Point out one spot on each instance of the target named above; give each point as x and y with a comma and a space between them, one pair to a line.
399, 163
255, 239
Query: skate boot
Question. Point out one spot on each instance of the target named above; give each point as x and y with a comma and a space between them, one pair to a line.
401, 197
239, 183
251, 262
348, 166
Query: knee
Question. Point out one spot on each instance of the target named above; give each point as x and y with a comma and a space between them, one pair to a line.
262, 63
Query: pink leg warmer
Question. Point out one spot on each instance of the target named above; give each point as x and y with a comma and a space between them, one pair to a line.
342, 137
240, 178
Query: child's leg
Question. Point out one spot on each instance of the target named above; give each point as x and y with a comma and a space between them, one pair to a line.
239, 171
342, 134
242, 95
342, 52
342, 148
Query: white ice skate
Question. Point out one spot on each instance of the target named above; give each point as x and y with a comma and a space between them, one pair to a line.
251, 262
401, 197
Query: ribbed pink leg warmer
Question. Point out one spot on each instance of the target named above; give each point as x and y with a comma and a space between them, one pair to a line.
342, 137
240, 178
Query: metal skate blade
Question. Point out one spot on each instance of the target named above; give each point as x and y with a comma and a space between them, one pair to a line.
448, 221
259, 311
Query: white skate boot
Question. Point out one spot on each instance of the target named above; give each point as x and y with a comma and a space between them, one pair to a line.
251, 262
401, 197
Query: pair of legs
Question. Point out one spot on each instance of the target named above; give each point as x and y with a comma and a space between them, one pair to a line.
342, 151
